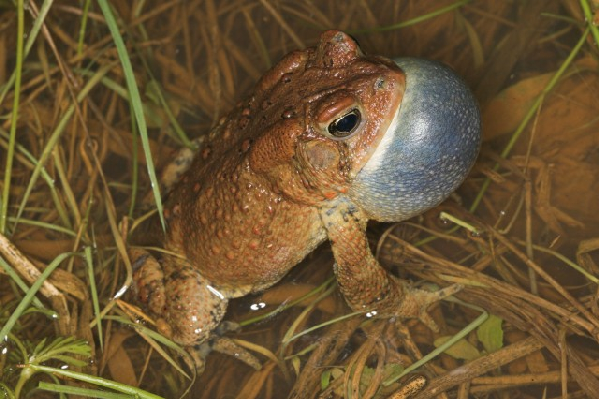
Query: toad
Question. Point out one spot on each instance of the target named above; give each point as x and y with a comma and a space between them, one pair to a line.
329, 139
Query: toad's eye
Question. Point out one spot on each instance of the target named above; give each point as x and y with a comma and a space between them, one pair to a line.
345, 125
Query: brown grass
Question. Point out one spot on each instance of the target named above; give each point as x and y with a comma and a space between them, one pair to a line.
529, 259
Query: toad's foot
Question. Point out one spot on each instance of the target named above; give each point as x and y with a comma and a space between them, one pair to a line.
187, 309
223, 345
414, 302
364, 283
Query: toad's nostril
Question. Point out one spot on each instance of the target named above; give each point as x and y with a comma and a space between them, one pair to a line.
427, 150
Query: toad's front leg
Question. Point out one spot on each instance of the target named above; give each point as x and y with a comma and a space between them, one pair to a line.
364, 283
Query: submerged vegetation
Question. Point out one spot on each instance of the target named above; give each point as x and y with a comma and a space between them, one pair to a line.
95, 96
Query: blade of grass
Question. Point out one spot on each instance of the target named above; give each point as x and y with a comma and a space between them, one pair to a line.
440, 349
84, 18
565, 260
326, 323
154, 339
97, 381
324, 286
22, 285
136, 102
22, 306
66, 189
84, 392
414, 21
134, 168
257, 39
156, 91
531, 112
53, 139
14, 117
8, 393
590, 18
94, 293
37, 25
44, 225
62, 214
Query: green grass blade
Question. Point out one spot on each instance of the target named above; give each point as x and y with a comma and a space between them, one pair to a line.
20, 283
22, 306
98, 381
136, 102
531, 112
94, 294
53, 139
84, 392
45, 225
590, 19
414, 21
442, 348
8, 393
62, 214
14, 117
83, 28
35, 30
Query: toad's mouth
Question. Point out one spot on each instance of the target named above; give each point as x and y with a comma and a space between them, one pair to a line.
428, 148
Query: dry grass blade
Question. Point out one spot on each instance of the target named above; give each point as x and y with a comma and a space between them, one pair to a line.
85, 84
39, 282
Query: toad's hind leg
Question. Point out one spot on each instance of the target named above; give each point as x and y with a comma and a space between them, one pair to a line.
188, 308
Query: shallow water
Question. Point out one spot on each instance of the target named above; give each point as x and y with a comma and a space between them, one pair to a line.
542, 196
512, 48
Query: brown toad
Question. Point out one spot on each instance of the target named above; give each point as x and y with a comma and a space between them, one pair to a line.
329, 139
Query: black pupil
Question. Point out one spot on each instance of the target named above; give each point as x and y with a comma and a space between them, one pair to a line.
345, 125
